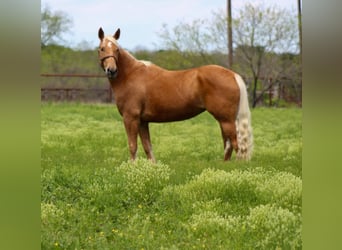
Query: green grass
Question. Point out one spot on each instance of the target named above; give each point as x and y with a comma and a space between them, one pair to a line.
94, 198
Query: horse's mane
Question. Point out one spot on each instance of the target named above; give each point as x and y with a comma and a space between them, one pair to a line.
147, 63
112, 39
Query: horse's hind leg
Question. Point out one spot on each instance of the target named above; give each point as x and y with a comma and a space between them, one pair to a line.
229, 136
144, 134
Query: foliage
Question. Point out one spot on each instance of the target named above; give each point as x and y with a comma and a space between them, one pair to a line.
144, 180
92, 198
191, 40
260, 32
270, 27
227, 209
263, 36
53, 25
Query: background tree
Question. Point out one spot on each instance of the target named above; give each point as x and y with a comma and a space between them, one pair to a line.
192, 40
263, 36
230, 33
53, 26
260, 32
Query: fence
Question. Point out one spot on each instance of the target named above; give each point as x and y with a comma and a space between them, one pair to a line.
282, 90
92, 94
276, 93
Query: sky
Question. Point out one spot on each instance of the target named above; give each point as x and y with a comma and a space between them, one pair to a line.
138, 20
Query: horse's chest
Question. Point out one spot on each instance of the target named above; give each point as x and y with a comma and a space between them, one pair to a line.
128, 103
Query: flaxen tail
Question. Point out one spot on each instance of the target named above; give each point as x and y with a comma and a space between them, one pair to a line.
243, 123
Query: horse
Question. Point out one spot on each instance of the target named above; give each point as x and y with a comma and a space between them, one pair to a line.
145, 92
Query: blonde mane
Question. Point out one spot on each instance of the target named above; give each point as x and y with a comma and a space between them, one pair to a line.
112, 39
147, 63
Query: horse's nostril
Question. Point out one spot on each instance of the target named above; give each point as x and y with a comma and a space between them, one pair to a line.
111, 73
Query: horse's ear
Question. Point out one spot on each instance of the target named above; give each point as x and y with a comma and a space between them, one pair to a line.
117, 34
101, 33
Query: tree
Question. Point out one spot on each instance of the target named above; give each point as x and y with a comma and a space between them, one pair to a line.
53, 26
259, 32
299, 4
230, 33
192, 40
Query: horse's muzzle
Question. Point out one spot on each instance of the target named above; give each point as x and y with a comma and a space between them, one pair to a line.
111, 73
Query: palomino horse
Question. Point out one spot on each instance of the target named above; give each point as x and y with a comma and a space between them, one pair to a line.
147, 93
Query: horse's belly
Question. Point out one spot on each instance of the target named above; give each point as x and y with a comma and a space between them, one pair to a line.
174, 113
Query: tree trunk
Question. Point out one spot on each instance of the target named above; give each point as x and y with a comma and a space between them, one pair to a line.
230, 34
300, 26
255, 82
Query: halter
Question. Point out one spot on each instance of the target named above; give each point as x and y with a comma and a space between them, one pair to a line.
105, 57
108, 56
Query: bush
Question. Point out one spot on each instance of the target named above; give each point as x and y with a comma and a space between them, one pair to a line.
142, 180
240, 208
272, 227
251, 187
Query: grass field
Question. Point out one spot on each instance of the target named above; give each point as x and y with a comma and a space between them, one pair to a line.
94, 198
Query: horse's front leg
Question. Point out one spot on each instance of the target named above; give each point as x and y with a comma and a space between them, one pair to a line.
132, 128
146, 140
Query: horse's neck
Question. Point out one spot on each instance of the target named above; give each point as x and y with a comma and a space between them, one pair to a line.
127, 63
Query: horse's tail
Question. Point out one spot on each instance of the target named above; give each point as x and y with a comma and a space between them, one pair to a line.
243, 123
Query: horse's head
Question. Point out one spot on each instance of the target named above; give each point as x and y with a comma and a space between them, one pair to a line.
109, 53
